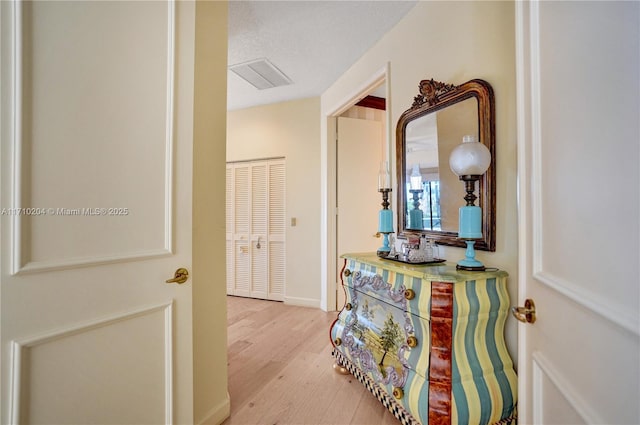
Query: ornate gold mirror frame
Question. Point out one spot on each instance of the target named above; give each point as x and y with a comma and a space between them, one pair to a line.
435, 97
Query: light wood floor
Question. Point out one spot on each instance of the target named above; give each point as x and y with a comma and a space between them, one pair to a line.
280, 369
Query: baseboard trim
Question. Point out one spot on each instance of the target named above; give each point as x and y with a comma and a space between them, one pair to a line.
218, 414
302, 302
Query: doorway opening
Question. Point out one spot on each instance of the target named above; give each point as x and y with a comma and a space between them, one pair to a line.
377, 86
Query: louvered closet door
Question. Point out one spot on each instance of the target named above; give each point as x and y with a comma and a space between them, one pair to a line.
229, 203
276, 230
255, 229
242, 263
259, 212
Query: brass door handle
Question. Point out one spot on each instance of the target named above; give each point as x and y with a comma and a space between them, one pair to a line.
526, 314
180, 276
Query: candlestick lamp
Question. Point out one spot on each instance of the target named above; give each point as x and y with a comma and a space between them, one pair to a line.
385, 216
469, 161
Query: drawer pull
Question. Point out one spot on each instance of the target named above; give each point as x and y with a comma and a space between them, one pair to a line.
409, 294
348, 306
398, 393
338, 341
347, 272
412, 341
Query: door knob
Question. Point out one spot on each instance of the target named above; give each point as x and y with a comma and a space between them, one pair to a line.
180, 276
526, 314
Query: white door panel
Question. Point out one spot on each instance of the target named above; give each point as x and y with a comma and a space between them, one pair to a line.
92, 354
96, 176
89, 103
578, 85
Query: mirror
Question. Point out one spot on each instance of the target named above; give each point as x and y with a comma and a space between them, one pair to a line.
429, 193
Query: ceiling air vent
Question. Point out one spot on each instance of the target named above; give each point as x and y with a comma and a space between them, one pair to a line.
261, 73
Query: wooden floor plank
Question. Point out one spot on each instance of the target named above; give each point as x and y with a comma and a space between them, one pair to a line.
280, 369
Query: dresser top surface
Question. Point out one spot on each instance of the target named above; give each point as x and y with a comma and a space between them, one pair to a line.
442, 271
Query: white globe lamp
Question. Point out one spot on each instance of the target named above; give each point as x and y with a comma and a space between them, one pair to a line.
469, 161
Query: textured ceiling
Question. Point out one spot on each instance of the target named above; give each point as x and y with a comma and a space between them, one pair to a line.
312, 42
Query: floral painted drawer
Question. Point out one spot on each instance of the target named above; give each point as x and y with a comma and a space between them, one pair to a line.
427, 341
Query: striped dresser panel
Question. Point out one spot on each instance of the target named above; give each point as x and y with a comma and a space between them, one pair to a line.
481, 367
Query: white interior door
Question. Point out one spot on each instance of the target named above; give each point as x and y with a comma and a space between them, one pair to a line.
578, 150
91, 165
256, 229
359, 152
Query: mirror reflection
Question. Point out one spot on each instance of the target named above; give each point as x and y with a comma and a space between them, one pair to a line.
434, 192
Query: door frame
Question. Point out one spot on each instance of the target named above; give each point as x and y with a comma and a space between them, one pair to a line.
328, 178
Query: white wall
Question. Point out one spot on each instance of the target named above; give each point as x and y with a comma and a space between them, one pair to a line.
452, 42
291, 130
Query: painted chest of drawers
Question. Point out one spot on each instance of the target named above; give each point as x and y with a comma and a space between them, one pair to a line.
427, 341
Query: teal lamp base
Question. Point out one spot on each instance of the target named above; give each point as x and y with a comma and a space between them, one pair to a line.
470, 263
385, 227
385, 249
